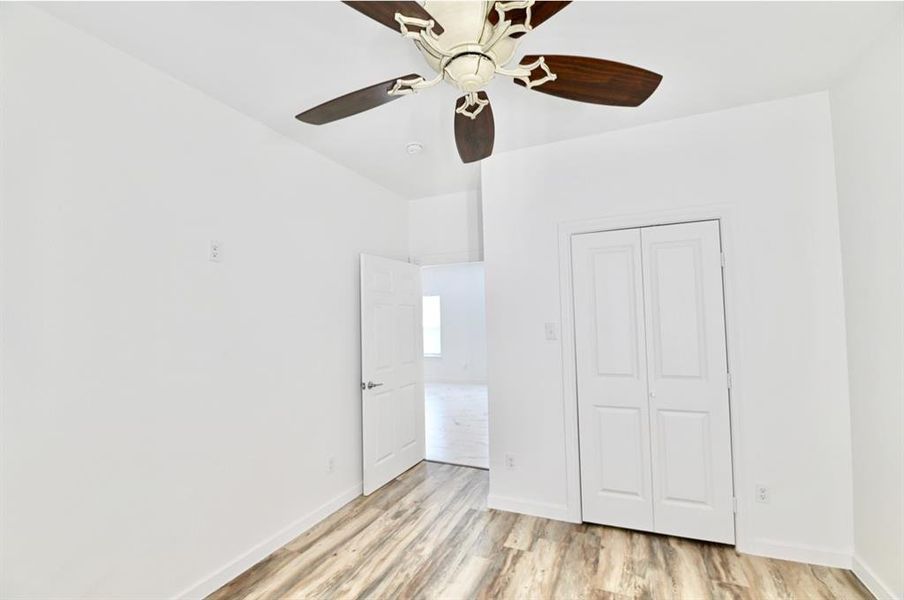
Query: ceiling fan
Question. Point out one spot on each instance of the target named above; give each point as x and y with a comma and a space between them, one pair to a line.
469, 43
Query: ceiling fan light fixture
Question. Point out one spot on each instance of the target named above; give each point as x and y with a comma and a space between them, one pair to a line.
470, 71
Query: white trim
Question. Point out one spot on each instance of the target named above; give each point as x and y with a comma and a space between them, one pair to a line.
813, 555
440, 265
720, 212
873, 583
546, 510
263, 549
438, 259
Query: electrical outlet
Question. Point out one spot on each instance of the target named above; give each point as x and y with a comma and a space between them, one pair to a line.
215, 251
510, 461
762, 494
331, 464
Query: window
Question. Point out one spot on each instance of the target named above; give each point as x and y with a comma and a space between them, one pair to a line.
432, 333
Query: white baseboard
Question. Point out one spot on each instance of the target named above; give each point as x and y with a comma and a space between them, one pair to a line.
813, 555
260, 551
557, 512
872, 581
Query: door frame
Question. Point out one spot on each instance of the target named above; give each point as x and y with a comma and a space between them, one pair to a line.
566, 229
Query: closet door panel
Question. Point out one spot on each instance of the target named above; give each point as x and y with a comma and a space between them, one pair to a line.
687, 378
612, 379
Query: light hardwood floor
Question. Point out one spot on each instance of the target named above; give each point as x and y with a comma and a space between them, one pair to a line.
428, 534
457, 424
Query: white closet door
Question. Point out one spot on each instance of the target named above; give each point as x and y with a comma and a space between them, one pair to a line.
612, 379
688, 384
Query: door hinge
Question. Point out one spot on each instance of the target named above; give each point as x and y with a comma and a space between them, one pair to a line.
728, 378
722, 259
734, 505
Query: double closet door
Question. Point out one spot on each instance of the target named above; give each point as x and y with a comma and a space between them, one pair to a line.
652, 376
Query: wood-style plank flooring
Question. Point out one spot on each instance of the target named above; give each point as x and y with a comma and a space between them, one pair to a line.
429, 534
457, 424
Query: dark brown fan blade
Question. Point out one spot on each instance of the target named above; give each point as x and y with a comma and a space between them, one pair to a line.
539, 13
385, 12
594, 80
351, 104
474, 137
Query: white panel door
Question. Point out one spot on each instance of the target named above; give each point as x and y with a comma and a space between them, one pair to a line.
392, 393
612, 379
688, 381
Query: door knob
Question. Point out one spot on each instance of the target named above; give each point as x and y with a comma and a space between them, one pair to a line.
371, 385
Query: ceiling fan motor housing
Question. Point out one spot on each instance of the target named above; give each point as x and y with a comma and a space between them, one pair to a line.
468, 51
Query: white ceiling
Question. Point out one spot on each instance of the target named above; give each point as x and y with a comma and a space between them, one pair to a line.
270, 60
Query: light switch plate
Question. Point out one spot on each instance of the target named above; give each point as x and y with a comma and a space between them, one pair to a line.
215, 251
552, 331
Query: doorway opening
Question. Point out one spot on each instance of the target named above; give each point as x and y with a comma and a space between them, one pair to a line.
455, 384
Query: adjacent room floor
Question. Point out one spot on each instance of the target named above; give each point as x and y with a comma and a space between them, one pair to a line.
456, 421
429, 534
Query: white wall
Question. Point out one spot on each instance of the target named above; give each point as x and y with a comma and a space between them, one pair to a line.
464, 334
867, 106
771, 165
445, 229
162, 414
